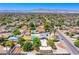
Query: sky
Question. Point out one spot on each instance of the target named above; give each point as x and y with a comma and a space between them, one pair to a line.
29, 6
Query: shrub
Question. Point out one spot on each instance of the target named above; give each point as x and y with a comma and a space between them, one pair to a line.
2, 39
46, 38
77, 38
9, 43
51, 43
76, 43
28, 46
21, 41
71, 34
32, 28
67, 33
55, 38
61, 28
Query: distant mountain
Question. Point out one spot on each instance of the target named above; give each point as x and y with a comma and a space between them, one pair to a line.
54, 11
39, 11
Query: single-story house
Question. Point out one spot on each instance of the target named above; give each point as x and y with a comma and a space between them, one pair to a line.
27, 37
5, 35
40, 29
74, 29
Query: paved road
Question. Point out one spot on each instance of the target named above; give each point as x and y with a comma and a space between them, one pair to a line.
71, 47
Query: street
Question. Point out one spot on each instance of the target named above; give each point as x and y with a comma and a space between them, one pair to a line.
71, 47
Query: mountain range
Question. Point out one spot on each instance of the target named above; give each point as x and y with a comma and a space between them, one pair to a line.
39, 11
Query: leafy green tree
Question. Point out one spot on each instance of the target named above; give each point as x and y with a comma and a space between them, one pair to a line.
51, 43
16, 32
60, 23
52, 26
2, 39
77, 23
47, 26
21, 41
6, 20
76, 43
36, 43
28, 46
32, 26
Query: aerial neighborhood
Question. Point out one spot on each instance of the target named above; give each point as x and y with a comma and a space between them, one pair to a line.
39, 34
